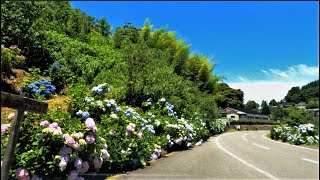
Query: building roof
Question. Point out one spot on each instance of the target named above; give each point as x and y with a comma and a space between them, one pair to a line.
302, 104
247, 111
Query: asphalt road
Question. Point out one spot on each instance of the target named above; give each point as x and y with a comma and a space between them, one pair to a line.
237, 155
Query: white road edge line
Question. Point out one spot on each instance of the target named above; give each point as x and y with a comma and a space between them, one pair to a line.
305, 159
244, 162
264, 136
261, 146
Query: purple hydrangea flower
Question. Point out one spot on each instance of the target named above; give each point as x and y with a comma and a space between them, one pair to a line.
90, 139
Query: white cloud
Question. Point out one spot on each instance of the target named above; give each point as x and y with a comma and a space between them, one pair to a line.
243, 79
259, 91
293, 73
275, 83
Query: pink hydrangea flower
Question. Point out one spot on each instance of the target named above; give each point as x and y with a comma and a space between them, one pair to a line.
90, 139
44, 123
85, 167
69, 140
111, 133
22, 174
139, 135
105, 154
128, 133
131, 127
53, 125
5, 128
73, 175
55, 128
97, 162
90, 124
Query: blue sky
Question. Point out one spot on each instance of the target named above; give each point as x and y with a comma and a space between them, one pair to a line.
260, 47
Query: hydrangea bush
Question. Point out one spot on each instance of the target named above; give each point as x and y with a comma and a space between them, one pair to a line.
42, 87
100, 135
302, 134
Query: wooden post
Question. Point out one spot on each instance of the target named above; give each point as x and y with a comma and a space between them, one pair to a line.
22, 104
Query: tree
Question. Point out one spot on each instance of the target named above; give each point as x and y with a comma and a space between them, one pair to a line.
273, 102
252, 105
299, 116
127, 32
293, 95
228, 97
265, 108
313, 103
146, 30
311, 90
279, 114
103, 27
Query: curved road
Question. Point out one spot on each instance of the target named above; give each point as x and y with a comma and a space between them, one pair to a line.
237, 155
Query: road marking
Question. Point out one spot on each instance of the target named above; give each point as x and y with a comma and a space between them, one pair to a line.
261, 146
264, 136
244, 162
305, 159
243, 137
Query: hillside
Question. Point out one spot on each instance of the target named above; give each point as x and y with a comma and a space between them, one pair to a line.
308, 93
116, 100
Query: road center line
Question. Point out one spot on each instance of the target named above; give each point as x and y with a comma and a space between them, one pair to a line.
243, 137
261, 146
305, 159
244, 162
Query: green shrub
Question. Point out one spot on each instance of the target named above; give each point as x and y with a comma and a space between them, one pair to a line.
10, 58
254, 122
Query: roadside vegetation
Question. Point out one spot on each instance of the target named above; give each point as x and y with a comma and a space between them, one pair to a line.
304, 134
116, 99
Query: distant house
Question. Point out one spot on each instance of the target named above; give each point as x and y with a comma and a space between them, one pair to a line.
242, 114
285, 104
273, 108
301, 105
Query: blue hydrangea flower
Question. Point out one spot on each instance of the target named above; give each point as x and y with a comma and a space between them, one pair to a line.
56, 65
85, 115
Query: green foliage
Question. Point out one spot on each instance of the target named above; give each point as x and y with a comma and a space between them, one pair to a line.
265, 109
312, 103
299, 116
294, 95
306, 93
273, 102
103, 27
279, 114
228, 97
76, 52
10, 58
252, 105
